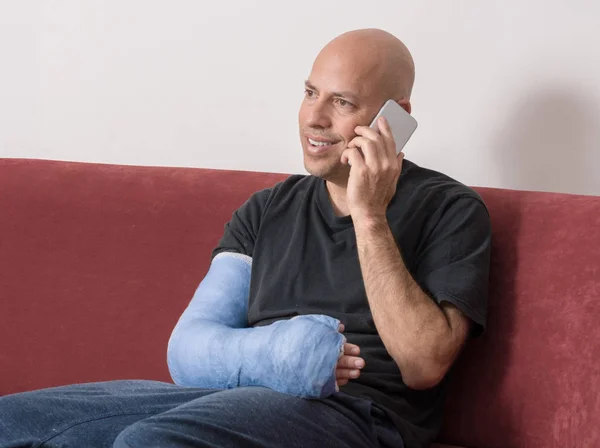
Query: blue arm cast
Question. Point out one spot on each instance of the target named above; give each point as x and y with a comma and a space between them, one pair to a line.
212, 346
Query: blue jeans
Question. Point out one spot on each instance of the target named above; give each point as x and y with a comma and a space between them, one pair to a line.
155, 414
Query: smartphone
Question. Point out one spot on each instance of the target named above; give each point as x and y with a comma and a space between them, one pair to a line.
401, 122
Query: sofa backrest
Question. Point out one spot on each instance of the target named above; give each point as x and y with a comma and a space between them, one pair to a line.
97, 262
533, 379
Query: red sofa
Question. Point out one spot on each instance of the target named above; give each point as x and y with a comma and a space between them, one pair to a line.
83, 246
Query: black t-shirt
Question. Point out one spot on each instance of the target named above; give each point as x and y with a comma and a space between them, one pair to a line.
305, 261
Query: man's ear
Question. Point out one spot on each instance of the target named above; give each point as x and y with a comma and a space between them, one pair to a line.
405, 104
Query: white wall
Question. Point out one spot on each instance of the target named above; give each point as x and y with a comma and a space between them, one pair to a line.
507, 92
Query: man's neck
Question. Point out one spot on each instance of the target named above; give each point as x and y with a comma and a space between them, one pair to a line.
337, 196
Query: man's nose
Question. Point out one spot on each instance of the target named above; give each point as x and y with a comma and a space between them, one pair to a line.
319, 115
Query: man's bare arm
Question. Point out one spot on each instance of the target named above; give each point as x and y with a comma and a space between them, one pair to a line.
423, 338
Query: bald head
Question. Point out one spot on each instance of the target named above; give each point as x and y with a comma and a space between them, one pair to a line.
351, 79
374, 56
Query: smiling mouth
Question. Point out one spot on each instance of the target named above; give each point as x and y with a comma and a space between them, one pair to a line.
320, 146
320, 143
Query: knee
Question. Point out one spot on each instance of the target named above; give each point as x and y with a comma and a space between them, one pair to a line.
143, 434
131, 437
18, 409
22, 422
15, 400
121, 440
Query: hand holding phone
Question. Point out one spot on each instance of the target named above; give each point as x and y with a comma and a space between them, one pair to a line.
402, 124
376, 168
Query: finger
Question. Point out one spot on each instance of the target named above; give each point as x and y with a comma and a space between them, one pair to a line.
350, 362
351, 349
387, 136
400, 159
341, 329
348, 374
380, 143
370, 133
342, 382
372, 150
352, 157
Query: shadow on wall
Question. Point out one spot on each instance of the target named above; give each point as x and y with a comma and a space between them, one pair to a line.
552, 143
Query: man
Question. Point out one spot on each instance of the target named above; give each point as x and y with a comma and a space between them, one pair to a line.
395, 254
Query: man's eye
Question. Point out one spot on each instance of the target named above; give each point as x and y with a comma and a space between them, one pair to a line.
309, 93
344, 103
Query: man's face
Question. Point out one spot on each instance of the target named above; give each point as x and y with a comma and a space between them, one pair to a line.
340, 94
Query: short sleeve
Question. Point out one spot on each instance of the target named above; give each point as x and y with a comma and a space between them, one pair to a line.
453, 265
242, 230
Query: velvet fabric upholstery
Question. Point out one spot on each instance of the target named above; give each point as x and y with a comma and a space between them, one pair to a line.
533, 379
84, 246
